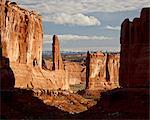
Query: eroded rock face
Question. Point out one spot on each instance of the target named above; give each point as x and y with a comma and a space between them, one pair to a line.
35, 78
57, 59
135, 53
21, 34
102, 71
76, 72
21, 43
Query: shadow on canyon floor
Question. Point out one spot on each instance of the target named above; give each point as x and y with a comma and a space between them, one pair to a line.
120, 103
22, 104
114, 104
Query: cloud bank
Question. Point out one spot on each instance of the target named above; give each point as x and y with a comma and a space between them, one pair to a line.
113, 27
74, 11
75, 19
48, 38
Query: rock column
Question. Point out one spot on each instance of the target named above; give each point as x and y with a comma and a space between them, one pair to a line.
57, 59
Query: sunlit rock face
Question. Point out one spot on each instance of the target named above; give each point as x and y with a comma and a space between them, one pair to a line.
21, 34
102, 71
76, 72
57, 59
35, 78
135, 52
21, 46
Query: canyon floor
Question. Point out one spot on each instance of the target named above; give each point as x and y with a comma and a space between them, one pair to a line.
40, 104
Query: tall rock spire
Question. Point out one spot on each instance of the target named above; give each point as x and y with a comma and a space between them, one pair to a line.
57, 59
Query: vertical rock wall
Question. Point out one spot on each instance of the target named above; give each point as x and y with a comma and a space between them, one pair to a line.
21, 34
21, 47
102, 71
135, 51
76, 72
57, 59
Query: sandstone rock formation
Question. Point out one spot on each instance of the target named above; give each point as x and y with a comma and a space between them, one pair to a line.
133, 96
102, 71
135, 53
76, 72
21, 42
22, 35
36, 78
64, 100
57, 59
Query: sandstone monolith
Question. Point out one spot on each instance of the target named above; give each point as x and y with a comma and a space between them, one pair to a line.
57, 59
135, 52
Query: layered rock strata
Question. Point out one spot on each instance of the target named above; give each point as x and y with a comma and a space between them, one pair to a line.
21, 43
102, 71
76, 72
21, 34
135, 52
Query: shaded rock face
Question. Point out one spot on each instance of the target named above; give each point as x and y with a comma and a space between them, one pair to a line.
7, 79
102, 71
57, 59
135, 53
22, 36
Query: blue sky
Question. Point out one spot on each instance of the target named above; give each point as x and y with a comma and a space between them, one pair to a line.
83, 25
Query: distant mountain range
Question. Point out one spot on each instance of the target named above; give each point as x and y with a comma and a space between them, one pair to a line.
49, 53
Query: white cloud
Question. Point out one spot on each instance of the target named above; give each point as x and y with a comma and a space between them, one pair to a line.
113, 28
75, 19
83, 6
48, 38
50, 9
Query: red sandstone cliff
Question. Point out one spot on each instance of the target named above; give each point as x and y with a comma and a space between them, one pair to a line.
76, 72
134, 56
21, 34
102, 71
21, 42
